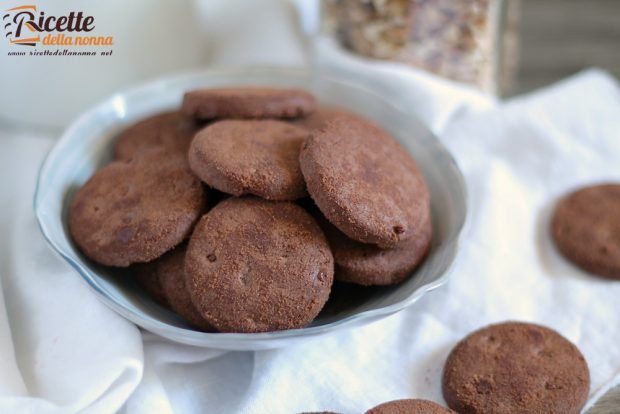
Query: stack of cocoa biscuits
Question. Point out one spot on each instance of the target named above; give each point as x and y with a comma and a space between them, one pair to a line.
239, 210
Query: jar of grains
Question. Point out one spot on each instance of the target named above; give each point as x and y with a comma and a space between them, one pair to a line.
471, 41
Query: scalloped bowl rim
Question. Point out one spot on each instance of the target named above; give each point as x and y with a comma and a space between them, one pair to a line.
197, 337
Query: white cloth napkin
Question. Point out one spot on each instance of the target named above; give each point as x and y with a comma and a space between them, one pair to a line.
63, 351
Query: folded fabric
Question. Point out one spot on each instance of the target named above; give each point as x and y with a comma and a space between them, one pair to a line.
517, 159
63, 351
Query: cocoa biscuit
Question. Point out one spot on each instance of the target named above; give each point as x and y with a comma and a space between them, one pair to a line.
250, 157
255, 266
170, 130
321, 116
364, 182
367, 264
516, 367
169, 270
135, 211
409, 406
319, 412
586, 229
247, 102
150, 282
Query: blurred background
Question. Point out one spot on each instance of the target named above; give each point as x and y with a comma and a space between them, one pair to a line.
561, 37
500, 47
505, 47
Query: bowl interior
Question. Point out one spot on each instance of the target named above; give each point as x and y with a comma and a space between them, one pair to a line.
86, 146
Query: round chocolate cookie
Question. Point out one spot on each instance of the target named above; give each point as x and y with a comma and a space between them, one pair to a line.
150, 282
319, 412
516, 367
171, 130
586, 229
135, 211
250, 157
321, 116
256, 266
367, 264
364, 182
409, 407
170, 270
247, 102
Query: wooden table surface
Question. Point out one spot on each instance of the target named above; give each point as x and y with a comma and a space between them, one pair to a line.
557, 39
561, 37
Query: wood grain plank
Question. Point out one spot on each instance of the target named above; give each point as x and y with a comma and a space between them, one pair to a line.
561, 37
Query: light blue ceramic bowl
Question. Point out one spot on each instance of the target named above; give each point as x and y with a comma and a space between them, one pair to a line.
86, 145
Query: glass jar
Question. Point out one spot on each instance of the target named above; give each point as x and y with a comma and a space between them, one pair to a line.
457, 39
